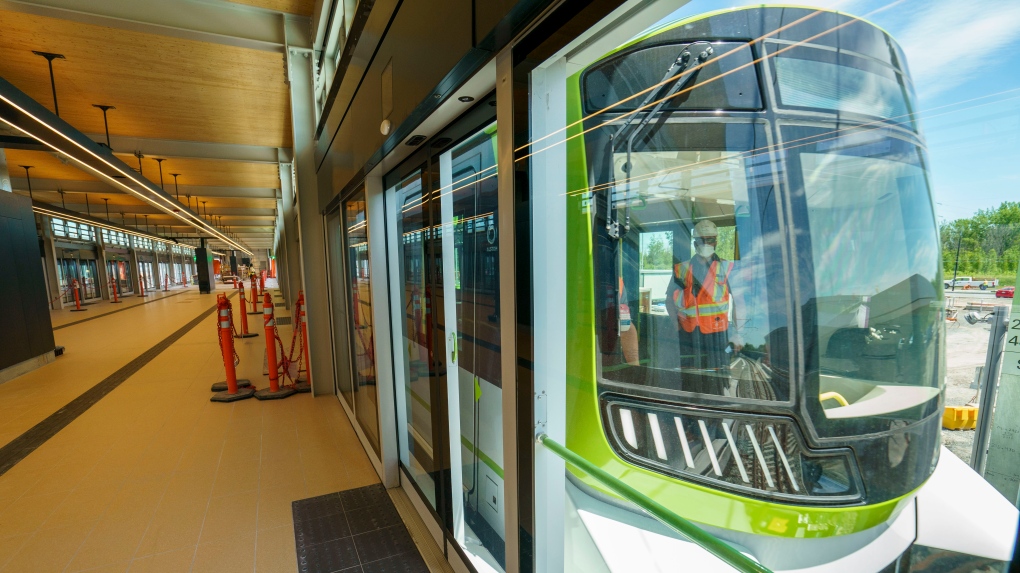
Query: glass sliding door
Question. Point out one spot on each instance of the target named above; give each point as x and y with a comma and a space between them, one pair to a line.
452, 442
419, 383
338, 290
470, 277
362, 333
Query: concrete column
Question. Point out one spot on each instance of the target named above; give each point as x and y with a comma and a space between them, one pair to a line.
290, 233
136, 275
310, 228
5, 175
50, 265
104, 276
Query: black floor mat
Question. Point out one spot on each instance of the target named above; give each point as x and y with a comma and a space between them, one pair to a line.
353, 531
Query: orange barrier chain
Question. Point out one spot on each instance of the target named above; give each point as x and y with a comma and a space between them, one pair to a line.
114, 289
234, 389
244, 318
300, 333
254, 297
275, 391
77, 300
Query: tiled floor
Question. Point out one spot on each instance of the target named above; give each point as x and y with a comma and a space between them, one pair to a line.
154, 477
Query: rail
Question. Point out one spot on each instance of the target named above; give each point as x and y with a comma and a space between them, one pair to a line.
699, 536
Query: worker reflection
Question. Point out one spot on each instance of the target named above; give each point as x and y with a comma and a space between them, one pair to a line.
698, 301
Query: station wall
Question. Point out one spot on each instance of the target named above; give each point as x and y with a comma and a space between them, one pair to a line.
396, 71
25, 328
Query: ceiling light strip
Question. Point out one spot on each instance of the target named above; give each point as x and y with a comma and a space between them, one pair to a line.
169, 206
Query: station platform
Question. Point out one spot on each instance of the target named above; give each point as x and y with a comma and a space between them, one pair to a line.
114, 459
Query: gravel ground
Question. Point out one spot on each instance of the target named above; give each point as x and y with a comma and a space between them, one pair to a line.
966, 346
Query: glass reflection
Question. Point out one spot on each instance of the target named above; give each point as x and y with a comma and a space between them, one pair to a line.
366, 398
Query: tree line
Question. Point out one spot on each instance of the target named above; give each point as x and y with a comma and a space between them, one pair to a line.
988, 243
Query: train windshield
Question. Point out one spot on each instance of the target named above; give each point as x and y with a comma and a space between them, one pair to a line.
689, 270
873, 309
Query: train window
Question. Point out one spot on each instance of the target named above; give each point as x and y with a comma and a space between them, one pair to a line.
873, 309
726, 81
688, 271
815, 78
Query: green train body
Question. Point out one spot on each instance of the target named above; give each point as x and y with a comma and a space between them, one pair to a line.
768, 95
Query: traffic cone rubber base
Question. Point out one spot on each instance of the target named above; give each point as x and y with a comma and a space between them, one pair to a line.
249, 335
302, 387
242, 394
116, 301
222, 386
267, 394
78, 309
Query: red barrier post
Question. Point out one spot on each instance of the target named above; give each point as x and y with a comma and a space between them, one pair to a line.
231, 389
275, 391
255, 309
113, 289
166, 283
77, 297
262, 283
244, 317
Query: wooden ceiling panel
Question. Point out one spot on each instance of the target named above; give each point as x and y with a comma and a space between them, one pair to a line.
45, 165
302, 7
163, 88
208, 172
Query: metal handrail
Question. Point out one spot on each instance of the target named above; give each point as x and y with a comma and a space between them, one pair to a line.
699, 536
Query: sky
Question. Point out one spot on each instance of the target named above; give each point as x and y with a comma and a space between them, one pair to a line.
964, 58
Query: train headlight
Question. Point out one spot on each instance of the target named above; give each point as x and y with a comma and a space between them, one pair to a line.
756, 455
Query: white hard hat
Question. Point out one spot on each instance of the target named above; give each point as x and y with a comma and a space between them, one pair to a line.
706, 228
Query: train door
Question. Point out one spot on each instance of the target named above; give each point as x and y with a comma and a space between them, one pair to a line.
67, 273
451, 443
89, 279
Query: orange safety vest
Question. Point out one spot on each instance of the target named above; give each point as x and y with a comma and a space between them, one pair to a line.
706, 311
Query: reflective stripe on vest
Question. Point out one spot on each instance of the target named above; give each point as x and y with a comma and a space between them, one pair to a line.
708, 310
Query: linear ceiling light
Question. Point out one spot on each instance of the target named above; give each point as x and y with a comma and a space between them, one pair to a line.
16, 108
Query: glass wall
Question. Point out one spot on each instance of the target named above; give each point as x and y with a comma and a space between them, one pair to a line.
447, 266
359, 292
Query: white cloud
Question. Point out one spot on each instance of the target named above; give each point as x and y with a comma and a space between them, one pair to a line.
949, 42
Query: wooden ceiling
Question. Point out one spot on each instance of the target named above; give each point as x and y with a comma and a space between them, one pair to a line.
44, 166
166, 88
302, 7
163, 88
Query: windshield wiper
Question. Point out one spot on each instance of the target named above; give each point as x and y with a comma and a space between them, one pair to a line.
678, 72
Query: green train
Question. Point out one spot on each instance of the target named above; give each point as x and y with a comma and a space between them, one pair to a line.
755, 332
754, 306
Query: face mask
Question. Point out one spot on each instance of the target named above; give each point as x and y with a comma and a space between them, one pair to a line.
705, 251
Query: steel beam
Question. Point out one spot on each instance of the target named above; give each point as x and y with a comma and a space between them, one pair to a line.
93, 186
219, 23
24, 114
170, 148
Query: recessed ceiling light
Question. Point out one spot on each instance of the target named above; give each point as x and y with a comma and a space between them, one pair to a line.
466, 99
